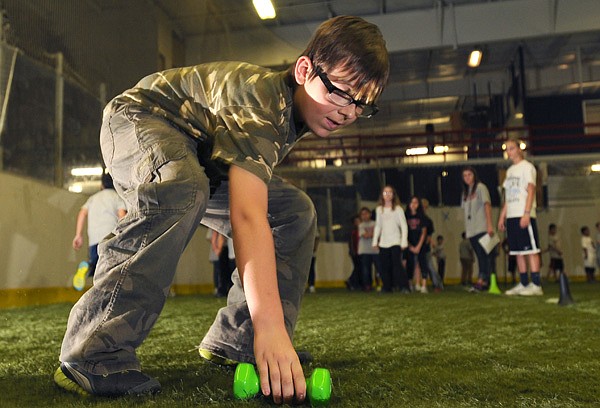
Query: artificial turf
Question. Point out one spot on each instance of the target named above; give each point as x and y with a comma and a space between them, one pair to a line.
452, 349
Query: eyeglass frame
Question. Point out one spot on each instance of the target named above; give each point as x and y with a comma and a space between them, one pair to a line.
331, 88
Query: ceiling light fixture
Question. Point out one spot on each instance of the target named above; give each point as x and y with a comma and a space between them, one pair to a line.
475, 58
265, 9
87, 171
416, 151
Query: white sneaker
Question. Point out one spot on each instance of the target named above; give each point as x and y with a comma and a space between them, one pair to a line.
417, 287
516, 290
424, 289
312, 289
532, 290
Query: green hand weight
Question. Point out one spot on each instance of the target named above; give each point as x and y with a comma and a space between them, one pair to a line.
319, 387
245, 382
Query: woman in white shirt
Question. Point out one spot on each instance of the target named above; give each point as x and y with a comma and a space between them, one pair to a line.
390, 236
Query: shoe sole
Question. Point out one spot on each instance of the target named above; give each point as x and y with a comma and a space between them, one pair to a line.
150, 387
67, 384
531, 294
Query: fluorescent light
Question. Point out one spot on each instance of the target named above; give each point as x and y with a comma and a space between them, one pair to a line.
595, 167
87, 171
415, 151
76, 188
475, 58
264, 8
522, 146
319, 164
423, 122
519, 115
440, 149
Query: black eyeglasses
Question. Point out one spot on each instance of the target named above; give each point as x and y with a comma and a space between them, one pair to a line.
341, 98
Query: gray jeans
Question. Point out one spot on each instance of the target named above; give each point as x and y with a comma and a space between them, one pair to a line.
156, 170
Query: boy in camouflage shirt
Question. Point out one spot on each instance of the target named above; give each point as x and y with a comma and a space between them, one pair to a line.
198, 145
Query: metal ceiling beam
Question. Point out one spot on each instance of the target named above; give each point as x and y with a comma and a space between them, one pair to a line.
441, 26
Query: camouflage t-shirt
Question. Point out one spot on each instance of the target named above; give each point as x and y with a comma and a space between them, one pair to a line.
242, 113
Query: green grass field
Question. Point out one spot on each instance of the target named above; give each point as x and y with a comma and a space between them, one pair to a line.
453, 349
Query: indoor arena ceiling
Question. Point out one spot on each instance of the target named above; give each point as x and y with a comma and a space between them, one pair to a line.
429, 42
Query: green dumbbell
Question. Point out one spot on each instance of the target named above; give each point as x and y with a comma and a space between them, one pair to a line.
318, 385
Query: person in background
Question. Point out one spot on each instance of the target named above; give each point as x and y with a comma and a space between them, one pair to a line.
311, 273
102, 210
369, 255
589, 254
518, 219
432, 272
477, 209
221, 249
440, 255
213, 258
353, 282
390, 236
467, 257
512, 261
597, 244
555, 251
416, 264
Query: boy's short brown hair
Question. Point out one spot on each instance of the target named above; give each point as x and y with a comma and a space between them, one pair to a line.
357, 45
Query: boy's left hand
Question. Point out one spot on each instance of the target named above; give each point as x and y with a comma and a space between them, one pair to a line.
281, 374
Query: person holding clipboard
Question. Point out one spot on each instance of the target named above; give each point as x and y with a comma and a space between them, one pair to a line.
478, 224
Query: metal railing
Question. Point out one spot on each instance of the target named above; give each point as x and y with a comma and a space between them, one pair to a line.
443, 146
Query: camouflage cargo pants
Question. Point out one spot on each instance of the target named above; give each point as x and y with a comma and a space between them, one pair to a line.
156, 170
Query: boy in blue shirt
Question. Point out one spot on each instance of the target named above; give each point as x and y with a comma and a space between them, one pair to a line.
199, 144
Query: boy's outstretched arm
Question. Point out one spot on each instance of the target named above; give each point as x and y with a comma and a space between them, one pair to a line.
280, 371
78, 240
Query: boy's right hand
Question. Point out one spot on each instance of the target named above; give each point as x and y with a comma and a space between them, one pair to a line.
281, 374
77, 242
501, 224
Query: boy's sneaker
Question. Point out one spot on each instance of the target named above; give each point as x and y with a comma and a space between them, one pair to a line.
516, 290
129, 382
79, 277
532, 290
424, 289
